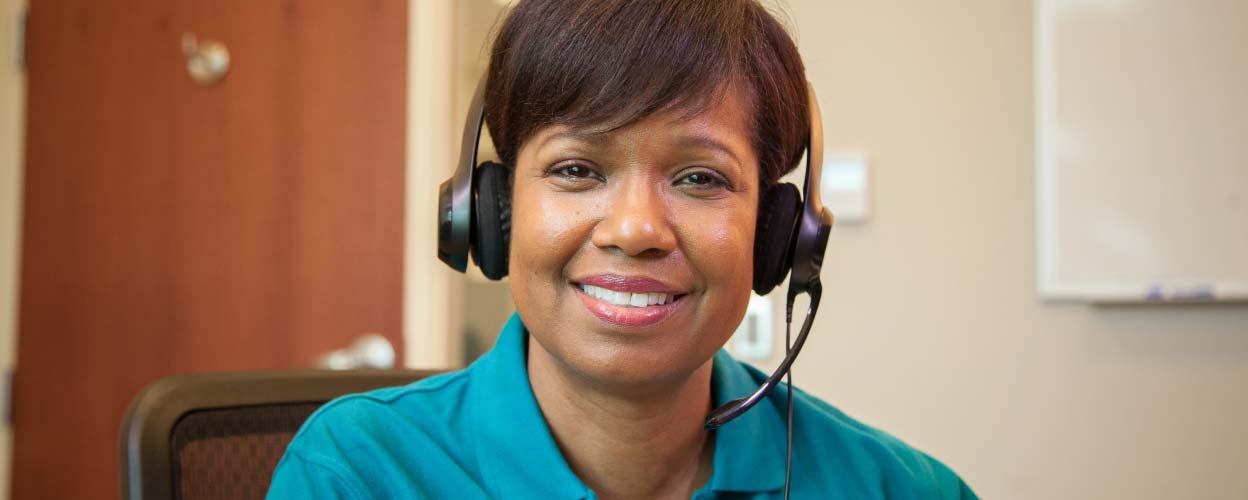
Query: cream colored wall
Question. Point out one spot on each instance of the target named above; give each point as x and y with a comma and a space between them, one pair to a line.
430, 290
12, 127
931, 328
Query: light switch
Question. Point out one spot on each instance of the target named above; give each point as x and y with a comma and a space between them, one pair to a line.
845, 186
753, 338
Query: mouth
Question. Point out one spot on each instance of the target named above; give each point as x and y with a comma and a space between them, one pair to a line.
629, 302
628, 299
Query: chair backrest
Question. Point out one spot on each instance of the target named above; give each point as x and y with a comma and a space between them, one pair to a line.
219, 435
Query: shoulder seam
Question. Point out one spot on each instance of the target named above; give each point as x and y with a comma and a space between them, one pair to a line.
399, 393
327, 464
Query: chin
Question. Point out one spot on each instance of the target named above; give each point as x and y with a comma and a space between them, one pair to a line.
626, 362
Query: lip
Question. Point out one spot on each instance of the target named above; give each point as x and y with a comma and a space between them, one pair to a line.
631, 284
629, 317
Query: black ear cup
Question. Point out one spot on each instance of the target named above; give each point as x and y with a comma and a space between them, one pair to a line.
491, 221
773, 235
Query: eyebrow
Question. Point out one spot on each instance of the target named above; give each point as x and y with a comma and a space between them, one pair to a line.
593, 138
694, 141
597, 139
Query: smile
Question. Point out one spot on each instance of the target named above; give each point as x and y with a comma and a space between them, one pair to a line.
627, 301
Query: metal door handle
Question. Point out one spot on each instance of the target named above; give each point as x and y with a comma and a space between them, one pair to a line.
371, 350
207, 62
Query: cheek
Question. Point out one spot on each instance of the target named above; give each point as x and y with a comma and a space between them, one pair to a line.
546, 233
721, 248
726, 245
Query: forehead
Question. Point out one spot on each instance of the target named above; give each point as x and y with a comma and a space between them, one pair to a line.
723, 124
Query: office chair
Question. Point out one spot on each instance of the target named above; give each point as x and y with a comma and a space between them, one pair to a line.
218, 436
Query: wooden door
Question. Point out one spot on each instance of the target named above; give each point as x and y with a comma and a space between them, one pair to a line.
175, 228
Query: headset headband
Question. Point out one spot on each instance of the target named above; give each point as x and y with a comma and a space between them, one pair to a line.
455, 194
815, 221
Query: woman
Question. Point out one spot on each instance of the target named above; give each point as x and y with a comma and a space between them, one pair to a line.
638, 137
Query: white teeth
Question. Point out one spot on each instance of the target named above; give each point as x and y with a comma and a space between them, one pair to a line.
625, 298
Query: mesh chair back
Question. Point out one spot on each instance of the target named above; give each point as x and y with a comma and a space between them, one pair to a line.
219, 436
231, 453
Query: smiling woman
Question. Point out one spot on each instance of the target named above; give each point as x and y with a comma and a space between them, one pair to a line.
641, 144
635, 211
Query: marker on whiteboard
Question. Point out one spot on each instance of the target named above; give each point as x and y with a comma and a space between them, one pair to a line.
1193, 293
1154, 293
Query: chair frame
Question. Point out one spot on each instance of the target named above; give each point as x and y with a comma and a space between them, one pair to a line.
146, 431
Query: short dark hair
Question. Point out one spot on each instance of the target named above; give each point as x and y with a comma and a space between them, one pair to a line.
606, 64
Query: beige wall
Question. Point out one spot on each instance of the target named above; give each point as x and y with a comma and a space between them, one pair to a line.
12, 106
429, 290
931, 327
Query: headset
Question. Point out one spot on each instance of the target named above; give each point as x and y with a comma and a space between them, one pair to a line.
474, 218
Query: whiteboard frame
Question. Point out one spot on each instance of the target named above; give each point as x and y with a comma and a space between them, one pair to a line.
1047, 284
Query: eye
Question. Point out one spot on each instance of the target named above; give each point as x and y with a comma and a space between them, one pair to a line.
699, 179
703, 180
573, 176
575, 171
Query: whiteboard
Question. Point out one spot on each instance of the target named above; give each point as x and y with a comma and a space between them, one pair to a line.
1142, 149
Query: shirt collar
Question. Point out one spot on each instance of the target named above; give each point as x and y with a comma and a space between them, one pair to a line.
519, 457
749, 451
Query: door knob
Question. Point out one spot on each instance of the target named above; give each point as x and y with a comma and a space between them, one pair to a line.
207, 62
371, 350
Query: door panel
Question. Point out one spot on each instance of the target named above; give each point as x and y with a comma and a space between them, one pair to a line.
173, 228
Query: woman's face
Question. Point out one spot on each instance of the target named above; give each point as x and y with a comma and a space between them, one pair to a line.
606, 226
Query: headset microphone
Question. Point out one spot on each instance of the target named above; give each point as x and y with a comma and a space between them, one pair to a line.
808, 246
736, 407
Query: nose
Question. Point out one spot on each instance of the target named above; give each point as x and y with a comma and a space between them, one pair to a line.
636, 223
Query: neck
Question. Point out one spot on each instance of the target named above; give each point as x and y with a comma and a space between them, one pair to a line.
627, 443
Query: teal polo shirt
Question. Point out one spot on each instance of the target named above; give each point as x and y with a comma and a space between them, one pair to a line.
478, 433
